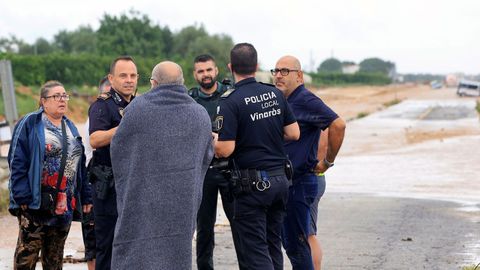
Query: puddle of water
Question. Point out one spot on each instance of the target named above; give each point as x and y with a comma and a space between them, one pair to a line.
470, 208
375, 157
433, 169
431, 110
472, 248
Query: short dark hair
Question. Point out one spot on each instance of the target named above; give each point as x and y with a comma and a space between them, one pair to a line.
203, 58
123, 57
243, 58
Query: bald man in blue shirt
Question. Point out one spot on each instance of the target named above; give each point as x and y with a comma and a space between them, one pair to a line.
312, 116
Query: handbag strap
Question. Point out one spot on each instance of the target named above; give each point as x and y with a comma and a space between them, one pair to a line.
63, 160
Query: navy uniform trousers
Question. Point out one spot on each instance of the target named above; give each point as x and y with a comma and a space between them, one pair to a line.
258, 219
105, 219
206, 217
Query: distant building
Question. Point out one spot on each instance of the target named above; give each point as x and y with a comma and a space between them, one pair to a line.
350, 68
392, 73
264, 76
451, 80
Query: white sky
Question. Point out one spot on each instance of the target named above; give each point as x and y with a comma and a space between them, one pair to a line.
420, 36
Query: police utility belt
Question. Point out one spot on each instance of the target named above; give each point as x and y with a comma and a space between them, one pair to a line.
249, 180
102, 177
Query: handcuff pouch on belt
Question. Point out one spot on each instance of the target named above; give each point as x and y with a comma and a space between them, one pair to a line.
248, 180
289, 169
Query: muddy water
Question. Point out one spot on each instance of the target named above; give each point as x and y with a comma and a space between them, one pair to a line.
378, 156
420, 149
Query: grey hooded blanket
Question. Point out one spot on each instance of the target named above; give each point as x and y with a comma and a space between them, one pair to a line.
160, 154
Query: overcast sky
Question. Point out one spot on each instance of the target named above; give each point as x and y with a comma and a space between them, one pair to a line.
420, 36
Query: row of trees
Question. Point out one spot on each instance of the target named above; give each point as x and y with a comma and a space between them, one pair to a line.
131, 33
360, 78
369, 65
83, 56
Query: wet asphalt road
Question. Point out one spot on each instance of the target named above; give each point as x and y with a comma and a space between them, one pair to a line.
361, 231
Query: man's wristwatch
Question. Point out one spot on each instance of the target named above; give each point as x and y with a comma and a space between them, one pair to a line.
327, 163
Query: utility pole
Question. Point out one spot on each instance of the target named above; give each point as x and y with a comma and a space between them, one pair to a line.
312, 62
8, 92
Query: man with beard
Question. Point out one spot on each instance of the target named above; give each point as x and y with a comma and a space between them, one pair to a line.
105, 115
208, 94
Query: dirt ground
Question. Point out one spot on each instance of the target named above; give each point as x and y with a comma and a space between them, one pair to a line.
349, 102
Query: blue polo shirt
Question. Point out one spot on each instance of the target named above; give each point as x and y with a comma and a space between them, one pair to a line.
254, 116
312, 116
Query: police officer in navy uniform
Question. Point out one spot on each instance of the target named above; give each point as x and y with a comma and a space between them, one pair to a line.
105, 115
253, 122
208, 94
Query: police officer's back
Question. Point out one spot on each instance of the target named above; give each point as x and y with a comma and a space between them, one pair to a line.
105, 115
254, 119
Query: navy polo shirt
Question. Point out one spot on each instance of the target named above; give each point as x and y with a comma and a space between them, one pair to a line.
254, 116
105, 114
312, 116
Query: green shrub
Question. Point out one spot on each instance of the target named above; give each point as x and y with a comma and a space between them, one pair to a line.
362, 114
392, 102
78, 69
345, 79
473, 267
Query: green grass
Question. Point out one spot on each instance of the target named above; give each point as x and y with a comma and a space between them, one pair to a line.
392, 102
4, 200
362, 114
473, 267
25, 103
142, 89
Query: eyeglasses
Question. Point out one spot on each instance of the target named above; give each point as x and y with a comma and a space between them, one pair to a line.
58, 97
283, 71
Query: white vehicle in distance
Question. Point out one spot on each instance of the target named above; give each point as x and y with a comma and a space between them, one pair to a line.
468, 88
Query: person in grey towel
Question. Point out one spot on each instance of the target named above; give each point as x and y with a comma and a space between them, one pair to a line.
158, 175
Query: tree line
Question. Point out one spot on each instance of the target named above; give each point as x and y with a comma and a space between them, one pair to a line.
369, 65
83, 56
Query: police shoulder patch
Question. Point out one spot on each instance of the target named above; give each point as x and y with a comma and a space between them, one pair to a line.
228, 92
105, 96
218, 123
